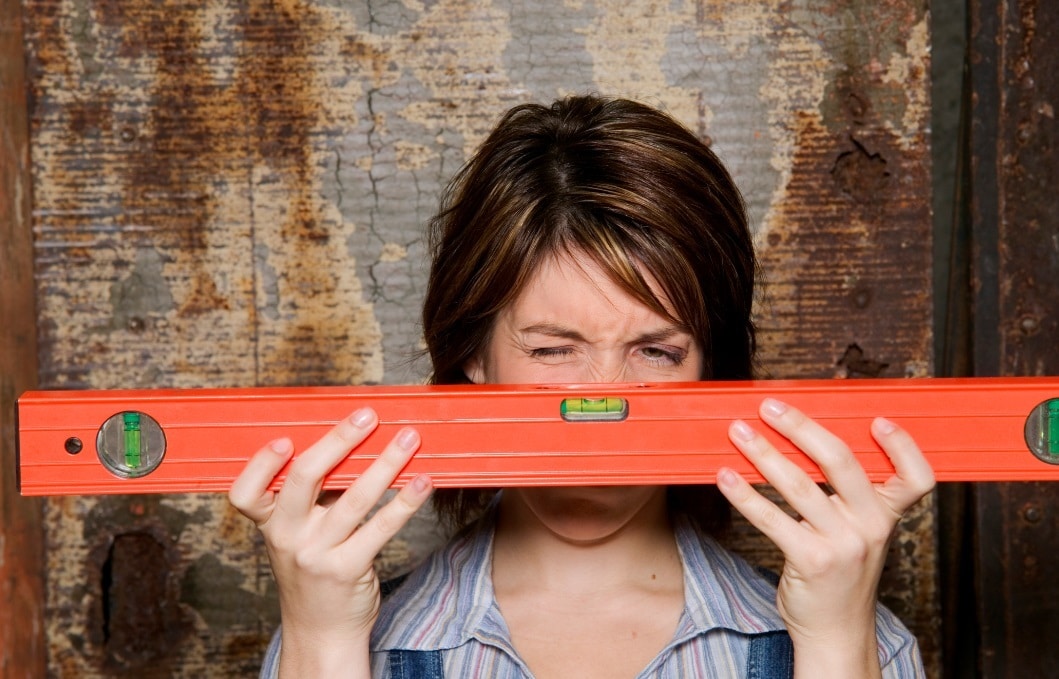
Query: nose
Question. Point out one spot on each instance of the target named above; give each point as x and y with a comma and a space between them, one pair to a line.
610, 367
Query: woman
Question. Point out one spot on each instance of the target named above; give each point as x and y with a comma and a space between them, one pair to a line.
590, 241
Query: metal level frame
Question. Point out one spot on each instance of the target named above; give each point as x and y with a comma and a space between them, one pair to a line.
176, 441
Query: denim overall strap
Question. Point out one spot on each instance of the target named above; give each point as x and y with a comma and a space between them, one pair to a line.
415, 664
770, 656
405, 664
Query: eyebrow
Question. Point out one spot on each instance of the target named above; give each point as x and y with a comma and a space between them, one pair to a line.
563, 332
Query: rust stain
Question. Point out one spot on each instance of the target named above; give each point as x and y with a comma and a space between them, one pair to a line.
855, 364
878, 76
861, 174
204, 297
90, 118
849, 245
276, 75
141, 623
373, 55
320, 331
194, 128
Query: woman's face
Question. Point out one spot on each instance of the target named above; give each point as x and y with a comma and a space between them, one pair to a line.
572, 324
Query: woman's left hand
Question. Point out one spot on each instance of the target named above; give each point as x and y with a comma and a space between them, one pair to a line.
835, 552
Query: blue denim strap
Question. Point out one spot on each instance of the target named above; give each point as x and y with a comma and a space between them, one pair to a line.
770, 656
415, 664
406, 664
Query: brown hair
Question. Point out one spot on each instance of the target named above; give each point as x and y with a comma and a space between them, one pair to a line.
628, 186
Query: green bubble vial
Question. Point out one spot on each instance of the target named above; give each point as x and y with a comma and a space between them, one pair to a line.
601, 409
1042, 431
133, 443
1053, 427
130, 444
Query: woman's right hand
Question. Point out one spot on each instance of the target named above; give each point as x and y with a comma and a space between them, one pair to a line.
322, 554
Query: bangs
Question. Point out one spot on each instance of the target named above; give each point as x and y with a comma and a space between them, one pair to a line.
632, 259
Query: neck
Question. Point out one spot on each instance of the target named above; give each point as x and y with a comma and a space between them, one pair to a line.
637, 550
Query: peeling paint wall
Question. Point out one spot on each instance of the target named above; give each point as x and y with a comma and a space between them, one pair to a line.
231, 194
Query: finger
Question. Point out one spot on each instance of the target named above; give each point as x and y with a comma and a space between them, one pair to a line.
249, 492
787, 533
358, 500
390, 519
797, 488
305, 479
844, 473
914, 476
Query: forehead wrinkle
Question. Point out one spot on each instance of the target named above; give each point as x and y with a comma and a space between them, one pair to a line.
552, 330
560, 331
579, 268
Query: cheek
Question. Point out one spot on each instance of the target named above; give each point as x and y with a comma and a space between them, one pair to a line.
499, 366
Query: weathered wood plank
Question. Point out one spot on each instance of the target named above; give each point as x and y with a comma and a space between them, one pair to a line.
234, 193
21, 520
846, 242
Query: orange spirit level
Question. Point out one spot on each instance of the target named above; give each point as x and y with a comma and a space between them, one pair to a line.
167, 441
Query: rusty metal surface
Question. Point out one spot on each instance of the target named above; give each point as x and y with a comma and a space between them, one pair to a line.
233, 193
1029, 172
1016, 233
1016, 593
21, 550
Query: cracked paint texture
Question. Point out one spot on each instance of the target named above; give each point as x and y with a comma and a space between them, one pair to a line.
234, 193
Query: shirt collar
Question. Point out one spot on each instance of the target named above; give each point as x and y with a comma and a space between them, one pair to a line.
721, 590
432, 610
448, 600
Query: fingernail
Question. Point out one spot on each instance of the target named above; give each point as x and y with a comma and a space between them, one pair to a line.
408, 438
363, 417
726, 478
281, 446
742, 431
884, 426
773, 407
421, 483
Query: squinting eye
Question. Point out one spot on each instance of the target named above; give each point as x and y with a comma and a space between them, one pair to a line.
659, 355
546, 352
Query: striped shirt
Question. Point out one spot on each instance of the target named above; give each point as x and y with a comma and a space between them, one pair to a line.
448, 604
